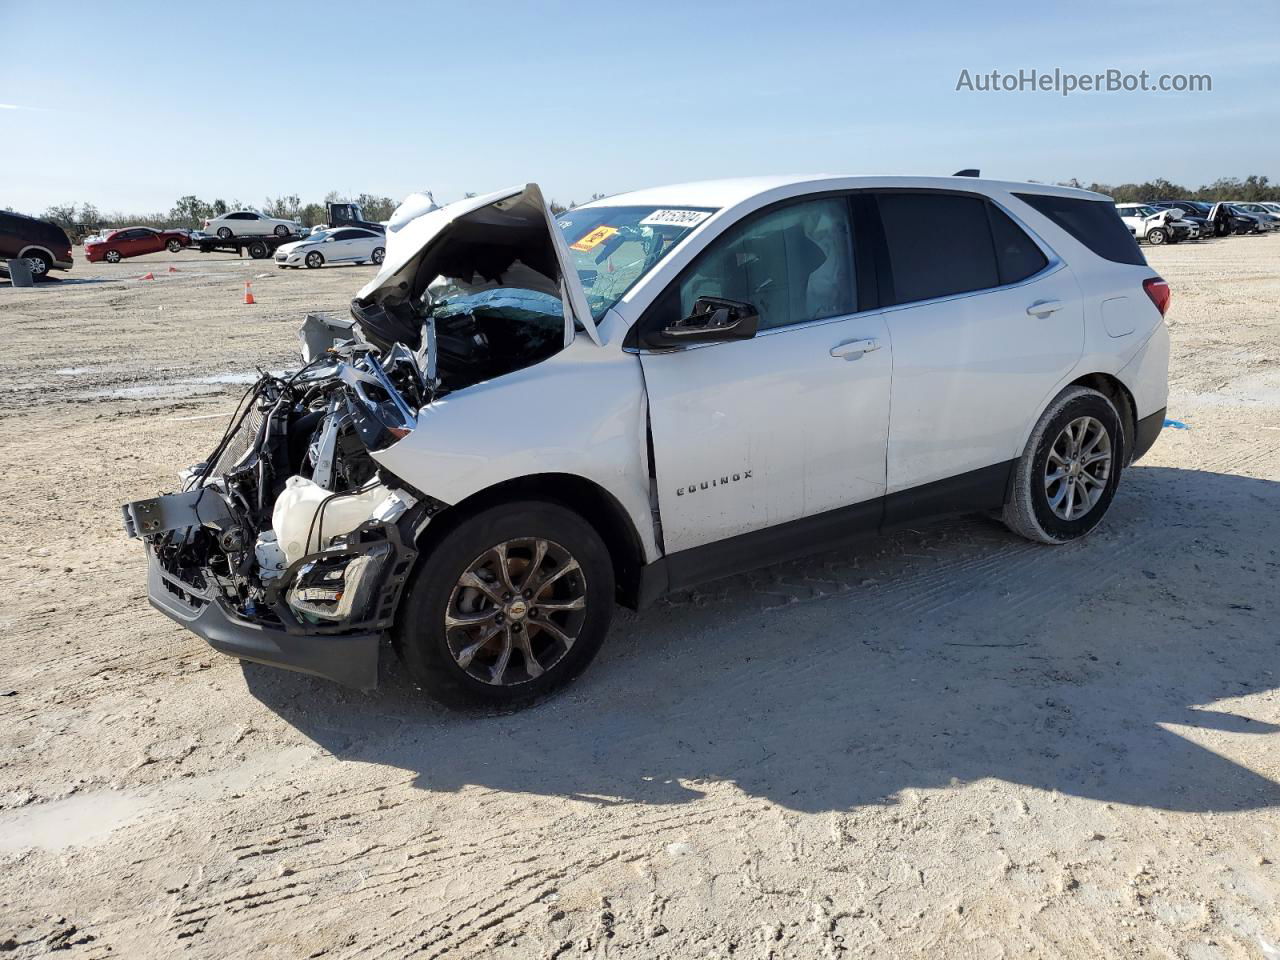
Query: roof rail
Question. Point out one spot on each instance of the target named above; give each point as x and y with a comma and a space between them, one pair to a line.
967, 172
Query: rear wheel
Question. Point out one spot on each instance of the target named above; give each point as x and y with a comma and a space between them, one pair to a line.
258, 250
39, 263
224, 233
510, 605
1067, 476
314, 259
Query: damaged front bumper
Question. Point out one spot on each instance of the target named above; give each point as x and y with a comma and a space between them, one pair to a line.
325, 615
349, 659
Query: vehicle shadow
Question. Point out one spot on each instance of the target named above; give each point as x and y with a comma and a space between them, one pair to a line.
948, 654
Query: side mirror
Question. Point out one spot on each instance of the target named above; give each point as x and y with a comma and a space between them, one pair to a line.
330, 239
713, 320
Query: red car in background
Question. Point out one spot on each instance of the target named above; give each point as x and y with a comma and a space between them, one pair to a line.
115, 245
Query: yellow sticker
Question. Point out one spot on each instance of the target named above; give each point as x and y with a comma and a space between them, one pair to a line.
593, 239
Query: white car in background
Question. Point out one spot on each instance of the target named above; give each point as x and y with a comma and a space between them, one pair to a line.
533, 416
1156, 226
343, 245
250, 223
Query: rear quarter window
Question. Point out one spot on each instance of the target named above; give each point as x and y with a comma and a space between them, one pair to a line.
1095, 223
1017, 255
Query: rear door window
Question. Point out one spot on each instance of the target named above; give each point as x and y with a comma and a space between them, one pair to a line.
1095, 223
939, 245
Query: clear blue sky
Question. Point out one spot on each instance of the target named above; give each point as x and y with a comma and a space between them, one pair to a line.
131, 105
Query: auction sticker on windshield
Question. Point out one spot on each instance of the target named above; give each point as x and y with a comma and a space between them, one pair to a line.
593, 239
676, 218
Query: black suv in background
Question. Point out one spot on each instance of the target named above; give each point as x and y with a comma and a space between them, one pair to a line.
43, 244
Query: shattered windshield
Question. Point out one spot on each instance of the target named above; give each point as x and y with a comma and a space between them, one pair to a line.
613, 247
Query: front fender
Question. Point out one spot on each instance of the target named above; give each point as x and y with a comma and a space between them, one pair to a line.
580, 412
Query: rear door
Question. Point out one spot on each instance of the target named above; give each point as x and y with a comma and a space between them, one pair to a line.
352, 244
129, 243
362, 244
148, 241
985, 322
751, 434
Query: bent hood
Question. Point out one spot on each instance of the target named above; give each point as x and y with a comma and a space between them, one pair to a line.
485, 235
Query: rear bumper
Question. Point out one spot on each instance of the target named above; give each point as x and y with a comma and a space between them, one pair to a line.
1147, 433
350, 659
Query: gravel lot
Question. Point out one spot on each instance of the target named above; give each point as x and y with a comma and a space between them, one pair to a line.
949, 743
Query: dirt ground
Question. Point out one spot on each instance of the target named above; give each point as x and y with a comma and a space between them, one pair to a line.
949, 743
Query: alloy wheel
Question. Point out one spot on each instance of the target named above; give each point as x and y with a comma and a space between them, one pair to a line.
516, 611
37, 265
1077, 469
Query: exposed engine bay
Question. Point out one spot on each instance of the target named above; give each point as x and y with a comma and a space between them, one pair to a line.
290, 523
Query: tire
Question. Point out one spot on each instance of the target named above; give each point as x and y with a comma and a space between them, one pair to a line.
281, 230
433, 653
111, 256
1030, 511
314, 259
174, 246
224, 233
258, 250
1156, 236
39, 263
379, 254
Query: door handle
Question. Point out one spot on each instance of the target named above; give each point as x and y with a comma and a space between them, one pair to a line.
1042, 308
852, 349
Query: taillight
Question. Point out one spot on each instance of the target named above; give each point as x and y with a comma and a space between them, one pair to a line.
1159, 293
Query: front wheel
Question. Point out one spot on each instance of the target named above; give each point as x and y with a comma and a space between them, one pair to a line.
112, 256
378, 254
1067, 476
174, 246
1156, 237
282, 230
508, 606
258, 250
314, 259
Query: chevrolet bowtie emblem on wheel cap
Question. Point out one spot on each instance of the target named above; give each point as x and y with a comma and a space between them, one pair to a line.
717, 482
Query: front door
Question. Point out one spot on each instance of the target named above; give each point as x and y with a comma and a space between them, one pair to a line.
793, 423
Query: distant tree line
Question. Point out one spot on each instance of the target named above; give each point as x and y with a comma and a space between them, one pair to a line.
1249, 190
190, 211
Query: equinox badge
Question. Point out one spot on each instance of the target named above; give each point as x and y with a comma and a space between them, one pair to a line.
708, 484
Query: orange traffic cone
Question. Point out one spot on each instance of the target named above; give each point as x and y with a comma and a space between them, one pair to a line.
248, 293
173, 269
147, 276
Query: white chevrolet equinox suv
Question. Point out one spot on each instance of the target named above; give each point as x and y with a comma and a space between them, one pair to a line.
530, 416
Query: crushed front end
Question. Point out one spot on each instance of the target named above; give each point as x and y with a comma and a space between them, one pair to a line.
290, 545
